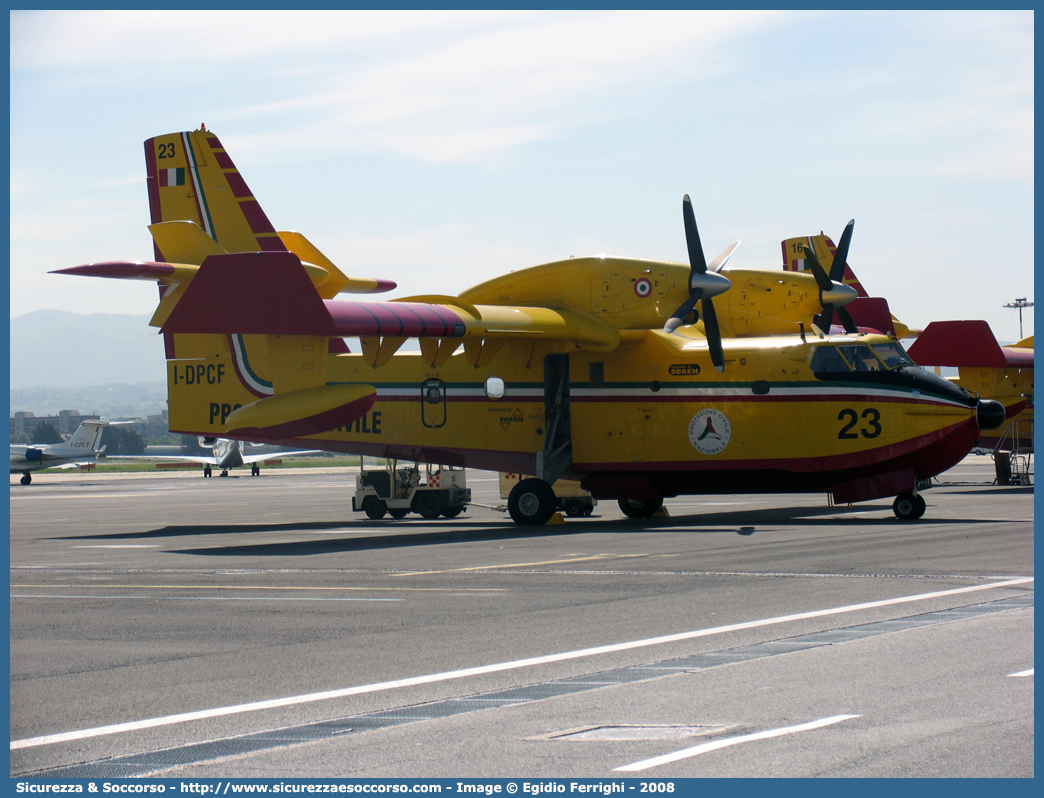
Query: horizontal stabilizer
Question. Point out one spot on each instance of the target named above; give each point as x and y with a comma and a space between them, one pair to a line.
339, 282
871, 313
184, 242
300, 413
965, 343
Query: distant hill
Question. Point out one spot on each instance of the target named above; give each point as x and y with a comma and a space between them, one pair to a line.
115, 400
59, 349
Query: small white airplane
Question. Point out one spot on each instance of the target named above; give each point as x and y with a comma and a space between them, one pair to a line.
227, 454
82, 447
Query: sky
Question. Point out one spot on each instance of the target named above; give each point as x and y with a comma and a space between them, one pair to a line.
440, 149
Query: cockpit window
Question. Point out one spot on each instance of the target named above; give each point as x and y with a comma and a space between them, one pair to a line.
892, 355
857, 357
861, 357
827, 358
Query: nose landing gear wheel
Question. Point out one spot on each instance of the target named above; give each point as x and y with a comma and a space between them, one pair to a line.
908, 506
640, 508
573, 508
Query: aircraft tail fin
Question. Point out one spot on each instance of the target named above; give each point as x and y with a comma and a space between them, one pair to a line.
87, 436
823, 246
191, 177
201, 205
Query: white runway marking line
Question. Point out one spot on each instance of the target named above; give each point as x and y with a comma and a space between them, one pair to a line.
481, 670
714, 745
1021, 673
198, 598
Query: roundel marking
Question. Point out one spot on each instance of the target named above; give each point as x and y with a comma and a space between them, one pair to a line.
642, 288
709, 431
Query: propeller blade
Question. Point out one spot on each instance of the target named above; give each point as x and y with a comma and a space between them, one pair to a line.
837, 268
846, 320
702, 286
825, 318
697, 262
717, 264
710, 326
822, 279
683, 310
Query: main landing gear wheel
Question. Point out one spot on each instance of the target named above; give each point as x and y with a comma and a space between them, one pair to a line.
908, 506
640, 508
255, 470
374, 508
531, 502
26, 479
206, 471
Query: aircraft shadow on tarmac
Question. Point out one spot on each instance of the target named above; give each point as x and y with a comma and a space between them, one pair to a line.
392, 534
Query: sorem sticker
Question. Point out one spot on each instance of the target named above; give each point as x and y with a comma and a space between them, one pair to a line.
709, 431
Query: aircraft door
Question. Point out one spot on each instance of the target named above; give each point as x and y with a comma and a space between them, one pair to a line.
433, 403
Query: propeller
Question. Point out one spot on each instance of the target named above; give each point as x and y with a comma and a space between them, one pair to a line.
833, 293
704, 283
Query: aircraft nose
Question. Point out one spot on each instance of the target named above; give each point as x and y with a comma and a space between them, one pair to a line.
990, 414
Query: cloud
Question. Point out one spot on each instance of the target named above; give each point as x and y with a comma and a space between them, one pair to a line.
434, 86
85, 39
468, 96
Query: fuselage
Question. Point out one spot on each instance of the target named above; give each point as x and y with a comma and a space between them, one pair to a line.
26, 458
652, 417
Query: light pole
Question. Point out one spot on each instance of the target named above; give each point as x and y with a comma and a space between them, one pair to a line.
1020, 304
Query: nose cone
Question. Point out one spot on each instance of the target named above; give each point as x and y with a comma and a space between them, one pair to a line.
711, 283
990, 414
839, 294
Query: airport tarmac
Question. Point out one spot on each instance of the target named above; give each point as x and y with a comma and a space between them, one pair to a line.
170, 625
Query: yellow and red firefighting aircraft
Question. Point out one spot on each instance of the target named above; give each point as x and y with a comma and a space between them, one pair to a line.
600, 369
811, 253
985, 368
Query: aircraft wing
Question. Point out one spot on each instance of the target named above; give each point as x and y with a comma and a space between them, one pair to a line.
258, 458
966, 343
209, 459
35, 454
181, 458
271, 294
